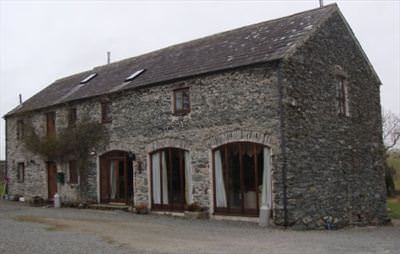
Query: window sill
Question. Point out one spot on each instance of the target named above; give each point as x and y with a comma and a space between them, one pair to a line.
181, 113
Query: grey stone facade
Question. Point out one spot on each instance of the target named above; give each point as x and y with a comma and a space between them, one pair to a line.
340, 174
325, 167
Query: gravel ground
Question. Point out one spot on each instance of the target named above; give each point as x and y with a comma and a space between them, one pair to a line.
26, 229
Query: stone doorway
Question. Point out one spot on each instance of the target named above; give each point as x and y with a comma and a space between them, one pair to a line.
170, 179
116, 177
51, 179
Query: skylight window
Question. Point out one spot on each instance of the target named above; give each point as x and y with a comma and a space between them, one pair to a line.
134, 75
88, 78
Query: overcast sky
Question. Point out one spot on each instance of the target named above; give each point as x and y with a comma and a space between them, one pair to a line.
41, 41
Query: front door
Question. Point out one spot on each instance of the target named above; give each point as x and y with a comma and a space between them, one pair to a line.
51, 179
116, 177
117, 181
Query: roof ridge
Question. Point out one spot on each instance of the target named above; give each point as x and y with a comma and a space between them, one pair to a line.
254, 43
333, 5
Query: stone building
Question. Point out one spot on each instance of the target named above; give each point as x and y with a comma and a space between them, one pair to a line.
277, 120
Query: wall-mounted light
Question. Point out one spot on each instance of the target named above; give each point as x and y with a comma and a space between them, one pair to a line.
92, 153
131, 156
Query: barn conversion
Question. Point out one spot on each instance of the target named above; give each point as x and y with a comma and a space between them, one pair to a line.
278, 121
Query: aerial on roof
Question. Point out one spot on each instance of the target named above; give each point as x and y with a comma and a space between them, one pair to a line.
262, 42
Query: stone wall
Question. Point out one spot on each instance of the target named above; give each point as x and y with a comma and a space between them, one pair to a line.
239, 105
334, 163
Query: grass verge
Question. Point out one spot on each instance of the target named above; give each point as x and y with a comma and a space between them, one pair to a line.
394, 207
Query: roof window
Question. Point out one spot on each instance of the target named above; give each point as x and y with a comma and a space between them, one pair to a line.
134, 75
88, 78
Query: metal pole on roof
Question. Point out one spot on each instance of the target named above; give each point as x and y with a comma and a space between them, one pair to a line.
108, 57
20, 98
321, 3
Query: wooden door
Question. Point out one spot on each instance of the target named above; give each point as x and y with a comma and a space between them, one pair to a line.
115, 178
51, 179
51, 124
104, 180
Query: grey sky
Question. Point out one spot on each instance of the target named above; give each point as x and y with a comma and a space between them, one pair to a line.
44, 40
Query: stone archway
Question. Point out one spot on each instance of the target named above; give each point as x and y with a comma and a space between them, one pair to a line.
253, 136
242, 145
115, 177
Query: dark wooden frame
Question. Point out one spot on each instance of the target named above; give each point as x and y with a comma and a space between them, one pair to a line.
182, 111
229, 211
170, 206
20, 177
72, 117
109, 157
48, 165
341, 96
72, 165
106, 114
51, 124
20, 129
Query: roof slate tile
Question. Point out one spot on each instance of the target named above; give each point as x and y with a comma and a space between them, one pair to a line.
257, 43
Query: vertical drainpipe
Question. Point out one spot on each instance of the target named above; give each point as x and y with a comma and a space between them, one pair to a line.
283, 141
6, 164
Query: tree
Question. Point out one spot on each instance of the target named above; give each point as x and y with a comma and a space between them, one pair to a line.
391, 130
391, 139
71, 143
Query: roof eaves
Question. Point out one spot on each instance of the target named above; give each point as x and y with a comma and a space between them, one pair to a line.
272, 60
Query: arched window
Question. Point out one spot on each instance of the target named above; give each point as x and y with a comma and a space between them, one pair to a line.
241, 178
170, 179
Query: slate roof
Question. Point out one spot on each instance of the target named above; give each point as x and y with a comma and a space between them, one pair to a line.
262, 42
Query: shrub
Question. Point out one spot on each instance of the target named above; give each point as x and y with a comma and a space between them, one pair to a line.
72, 143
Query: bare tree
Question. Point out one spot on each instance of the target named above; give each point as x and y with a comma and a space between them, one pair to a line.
391, 129
391, 139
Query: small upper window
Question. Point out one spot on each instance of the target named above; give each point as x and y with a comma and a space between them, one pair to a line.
88, 78
51, 124
106, 112
134, 75
20, 172
181, 101
72, 117
73, 172
20, 129
342, 100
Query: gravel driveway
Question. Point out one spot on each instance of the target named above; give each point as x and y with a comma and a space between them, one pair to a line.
26, 229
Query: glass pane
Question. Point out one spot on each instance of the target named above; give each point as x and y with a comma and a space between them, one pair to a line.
178, 100
249, 174
156, 180
176, 188
232, 176
186, 101
121, 177
113, 180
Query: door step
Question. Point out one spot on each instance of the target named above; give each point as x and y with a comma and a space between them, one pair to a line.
120, 207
